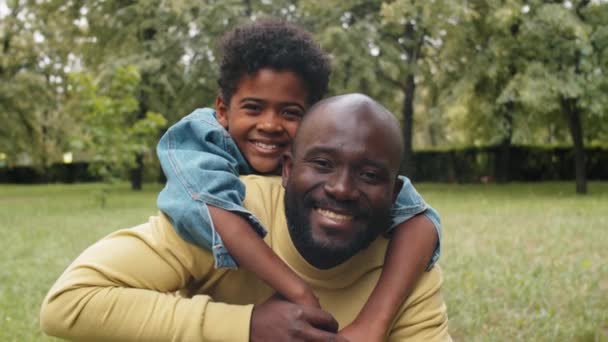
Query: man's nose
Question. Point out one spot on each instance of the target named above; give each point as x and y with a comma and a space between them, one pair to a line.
271, 122
341, 186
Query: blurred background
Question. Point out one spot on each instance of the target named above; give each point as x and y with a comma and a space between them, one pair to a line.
503, 103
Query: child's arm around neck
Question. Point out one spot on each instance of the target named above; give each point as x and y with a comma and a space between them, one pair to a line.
414, 248
204, 192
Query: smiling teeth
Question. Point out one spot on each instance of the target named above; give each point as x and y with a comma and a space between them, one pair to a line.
333, 215
265, 146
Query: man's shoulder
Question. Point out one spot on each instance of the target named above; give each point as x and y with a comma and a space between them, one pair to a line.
423, 316
261, 186
430, 282
264, 198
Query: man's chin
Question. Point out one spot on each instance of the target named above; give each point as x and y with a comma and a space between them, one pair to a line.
340, 247
332, 239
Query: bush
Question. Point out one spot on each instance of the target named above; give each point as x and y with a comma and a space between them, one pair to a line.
524, 163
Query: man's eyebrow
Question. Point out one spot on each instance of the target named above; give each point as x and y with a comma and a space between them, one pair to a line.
317, 149
376, 163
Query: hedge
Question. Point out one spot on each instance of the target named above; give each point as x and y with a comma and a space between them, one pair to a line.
523, 163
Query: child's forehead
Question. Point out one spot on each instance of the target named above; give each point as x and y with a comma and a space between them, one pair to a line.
272, 84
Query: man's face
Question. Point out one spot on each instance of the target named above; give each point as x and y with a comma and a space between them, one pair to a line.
263, 116
340, 185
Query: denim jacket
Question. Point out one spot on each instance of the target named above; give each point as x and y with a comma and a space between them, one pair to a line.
202, 165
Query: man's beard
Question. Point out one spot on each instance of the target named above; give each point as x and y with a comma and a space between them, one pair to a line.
320, 254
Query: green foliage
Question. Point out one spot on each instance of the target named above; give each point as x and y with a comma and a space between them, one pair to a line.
484, 71
33, 54
111, 133
565, 51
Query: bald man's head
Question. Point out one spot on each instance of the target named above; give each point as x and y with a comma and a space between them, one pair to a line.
341, 178
354, 108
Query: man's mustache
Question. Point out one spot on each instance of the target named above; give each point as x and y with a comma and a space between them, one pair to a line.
349, 207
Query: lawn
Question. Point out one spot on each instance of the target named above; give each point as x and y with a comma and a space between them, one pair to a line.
524, 262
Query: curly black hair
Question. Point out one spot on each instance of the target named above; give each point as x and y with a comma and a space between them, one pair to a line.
274, 44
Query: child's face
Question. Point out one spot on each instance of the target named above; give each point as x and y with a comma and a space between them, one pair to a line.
263, 116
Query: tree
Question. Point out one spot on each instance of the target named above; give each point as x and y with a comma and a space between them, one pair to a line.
386, 49
486, 55
468, 72
150, 36
111, 133
171, 43
567, 49
32, 84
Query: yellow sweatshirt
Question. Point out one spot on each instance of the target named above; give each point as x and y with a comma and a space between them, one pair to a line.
147, 284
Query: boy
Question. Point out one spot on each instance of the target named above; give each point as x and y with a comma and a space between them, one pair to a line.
271, 73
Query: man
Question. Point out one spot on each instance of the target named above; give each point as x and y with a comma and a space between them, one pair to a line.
339, 182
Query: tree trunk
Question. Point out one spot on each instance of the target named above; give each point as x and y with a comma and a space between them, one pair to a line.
573, 113
347, 73
408, 121
433, 132
504, 149
503, 160
137, 173
573, 116
248, 8
434, 125
409, 90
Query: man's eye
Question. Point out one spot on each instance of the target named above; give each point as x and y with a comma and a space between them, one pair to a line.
370, 176
321, 163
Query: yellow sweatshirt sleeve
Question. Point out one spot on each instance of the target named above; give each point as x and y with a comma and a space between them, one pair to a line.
125, 288
424, 315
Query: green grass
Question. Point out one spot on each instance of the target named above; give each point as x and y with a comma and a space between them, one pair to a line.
42, 229
522, 262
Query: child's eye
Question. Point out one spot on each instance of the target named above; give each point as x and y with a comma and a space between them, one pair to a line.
252, 107
292, 114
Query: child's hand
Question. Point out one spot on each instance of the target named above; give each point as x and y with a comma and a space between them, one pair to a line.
361, 333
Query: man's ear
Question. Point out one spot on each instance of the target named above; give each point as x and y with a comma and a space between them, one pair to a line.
397, 188
287, 165
221, 111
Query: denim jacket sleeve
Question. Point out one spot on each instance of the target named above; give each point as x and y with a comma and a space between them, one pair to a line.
202, 165
409, 203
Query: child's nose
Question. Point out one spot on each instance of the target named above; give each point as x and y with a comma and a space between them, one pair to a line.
271, 123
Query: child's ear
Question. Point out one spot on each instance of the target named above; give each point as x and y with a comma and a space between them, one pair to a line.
286, 169
221, 111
